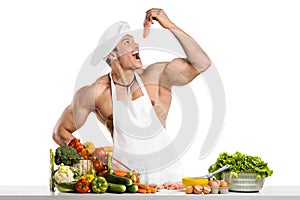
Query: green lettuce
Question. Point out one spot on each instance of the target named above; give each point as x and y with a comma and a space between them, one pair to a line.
241, 163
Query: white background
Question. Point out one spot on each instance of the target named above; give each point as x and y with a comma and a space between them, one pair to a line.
254, 44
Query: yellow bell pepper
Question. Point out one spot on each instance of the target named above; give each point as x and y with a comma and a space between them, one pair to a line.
88, 177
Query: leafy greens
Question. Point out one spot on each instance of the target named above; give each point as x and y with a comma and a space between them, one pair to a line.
241, 163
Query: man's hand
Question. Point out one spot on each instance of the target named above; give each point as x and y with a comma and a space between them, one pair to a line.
179, 71
158, 15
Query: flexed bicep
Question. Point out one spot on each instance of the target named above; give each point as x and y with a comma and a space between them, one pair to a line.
179, 72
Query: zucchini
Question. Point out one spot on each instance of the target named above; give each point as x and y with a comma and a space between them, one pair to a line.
112, 178
132, 188
116, 188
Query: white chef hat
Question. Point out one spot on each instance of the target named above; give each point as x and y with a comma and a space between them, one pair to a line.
109, 40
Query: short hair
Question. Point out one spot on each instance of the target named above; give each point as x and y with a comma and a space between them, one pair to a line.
107, 60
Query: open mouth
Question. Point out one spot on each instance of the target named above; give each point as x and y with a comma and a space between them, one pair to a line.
136, 55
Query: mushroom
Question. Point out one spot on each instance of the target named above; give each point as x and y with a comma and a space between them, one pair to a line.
189, 189
198, 189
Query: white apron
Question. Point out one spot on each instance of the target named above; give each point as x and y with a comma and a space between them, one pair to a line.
140, 140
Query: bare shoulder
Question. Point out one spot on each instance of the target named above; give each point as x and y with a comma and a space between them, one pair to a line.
98, 86
90, 93
101, 88
102, 82
154, 72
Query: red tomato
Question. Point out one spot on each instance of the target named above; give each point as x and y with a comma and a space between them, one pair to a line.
98, 165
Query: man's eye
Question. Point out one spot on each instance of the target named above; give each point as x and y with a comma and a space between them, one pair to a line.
126, 42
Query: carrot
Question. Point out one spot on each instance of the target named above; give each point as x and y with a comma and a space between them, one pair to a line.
143, 186
142, 191
153, 190
149, 190
120, 172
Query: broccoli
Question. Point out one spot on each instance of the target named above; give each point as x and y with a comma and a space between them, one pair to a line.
66, 155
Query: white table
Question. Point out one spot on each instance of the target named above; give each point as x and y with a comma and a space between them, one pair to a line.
42, 192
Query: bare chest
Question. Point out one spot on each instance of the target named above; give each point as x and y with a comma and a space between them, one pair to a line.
159, 97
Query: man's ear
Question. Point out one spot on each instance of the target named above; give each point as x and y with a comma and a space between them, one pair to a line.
112, 56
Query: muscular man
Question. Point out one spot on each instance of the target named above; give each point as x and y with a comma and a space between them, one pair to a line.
129, 94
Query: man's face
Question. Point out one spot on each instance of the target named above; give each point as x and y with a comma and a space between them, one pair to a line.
128, 53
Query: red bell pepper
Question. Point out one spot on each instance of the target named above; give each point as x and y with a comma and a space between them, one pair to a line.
82, 186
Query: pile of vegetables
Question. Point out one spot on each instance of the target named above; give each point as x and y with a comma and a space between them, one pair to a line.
241, 163
83, 168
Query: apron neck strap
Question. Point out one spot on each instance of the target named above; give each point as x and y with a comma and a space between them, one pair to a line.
112, 86
139, 81
141, 85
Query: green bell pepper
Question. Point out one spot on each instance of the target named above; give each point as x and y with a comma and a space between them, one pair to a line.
99, 185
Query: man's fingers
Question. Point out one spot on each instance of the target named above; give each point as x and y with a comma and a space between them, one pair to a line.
151, 15
157, 10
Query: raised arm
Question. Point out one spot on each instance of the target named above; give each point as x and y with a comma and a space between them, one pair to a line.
74, 116
179, 71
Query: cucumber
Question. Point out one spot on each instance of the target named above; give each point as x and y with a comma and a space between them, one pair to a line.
112, 178
132, 188
116, 188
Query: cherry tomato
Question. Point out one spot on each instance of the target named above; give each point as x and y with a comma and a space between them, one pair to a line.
79, 147
73, 142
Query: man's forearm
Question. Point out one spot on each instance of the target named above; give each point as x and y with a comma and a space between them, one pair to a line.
62, 136
195, 54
